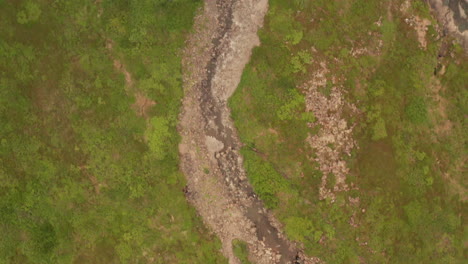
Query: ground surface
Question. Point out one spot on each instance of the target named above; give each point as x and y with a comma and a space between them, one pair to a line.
348, 137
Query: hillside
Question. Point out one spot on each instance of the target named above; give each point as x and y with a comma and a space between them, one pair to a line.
233, 131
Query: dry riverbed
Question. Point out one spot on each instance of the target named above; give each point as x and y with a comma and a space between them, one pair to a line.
225, 32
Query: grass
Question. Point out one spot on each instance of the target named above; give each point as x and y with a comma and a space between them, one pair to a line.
84, 179
241, 251
400, 164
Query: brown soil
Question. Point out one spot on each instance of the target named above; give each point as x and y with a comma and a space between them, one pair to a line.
420, 25
216, 53
142, 103
443, 125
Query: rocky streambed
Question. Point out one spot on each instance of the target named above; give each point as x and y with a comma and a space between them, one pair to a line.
224, 34
453, 17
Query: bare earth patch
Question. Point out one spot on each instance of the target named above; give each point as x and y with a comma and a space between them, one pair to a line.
142, 103
420, 25
443, 125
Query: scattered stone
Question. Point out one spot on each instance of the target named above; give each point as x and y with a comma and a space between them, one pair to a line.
335, 135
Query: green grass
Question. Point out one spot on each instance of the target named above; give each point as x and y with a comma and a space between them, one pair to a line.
83, 179
241, 251
410, 213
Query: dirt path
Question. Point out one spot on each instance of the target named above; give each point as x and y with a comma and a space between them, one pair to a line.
224, 34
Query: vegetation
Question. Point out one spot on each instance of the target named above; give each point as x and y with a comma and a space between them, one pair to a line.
408, 163
83, 178
241, 251
268, 183
89, 174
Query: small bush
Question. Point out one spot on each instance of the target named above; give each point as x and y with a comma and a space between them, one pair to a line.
416, 111
267, 182
30, 13
299, 228
241, 251
378, 130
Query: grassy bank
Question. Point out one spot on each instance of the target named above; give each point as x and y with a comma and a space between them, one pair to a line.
85, 176
405, 169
